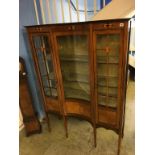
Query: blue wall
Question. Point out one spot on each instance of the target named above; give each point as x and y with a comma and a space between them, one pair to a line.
27, 17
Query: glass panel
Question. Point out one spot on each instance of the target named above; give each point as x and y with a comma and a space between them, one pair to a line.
73, 52
41, 41
37, 41
107, 70
48, 83
47, 91
107, 91
45, 65
41, 62
112, 81
107, 53
110, 101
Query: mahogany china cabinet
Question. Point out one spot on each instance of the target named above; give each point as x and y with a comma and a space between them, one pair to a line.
30, 119
82, 70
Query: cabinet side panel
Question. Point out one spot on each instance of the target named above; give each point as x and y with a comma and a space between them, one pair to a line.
107, 116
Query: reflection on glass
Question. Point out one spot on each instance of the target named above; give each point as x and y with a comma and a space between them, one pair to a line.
73, 52
45, 65
107, 53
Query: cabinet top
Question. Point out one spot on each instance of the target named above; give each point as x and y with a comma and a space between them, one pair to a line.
86, 22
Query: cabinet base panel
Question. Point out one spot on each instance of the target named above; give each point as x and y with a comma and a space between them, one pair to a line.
32, 127
78, 108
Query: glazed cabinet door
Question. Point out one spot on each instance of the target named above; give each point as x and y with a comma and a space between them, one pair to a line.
74, 60
43, 56
108, 51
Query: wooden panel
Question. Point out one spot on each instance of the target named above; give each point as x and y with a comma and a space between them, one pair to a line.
30, 120
21, 125
108, 25
79, 108
70, 27
32, 127
25, 99
37, 29
106, 115
52, 105
125, 49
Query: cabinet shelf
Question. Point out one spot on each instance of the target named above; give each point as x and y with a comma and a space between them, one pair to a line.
72, 58
100, 85
109, 95
112, 82
74, 77
78, 51
100, 77
76, 74
105, 56
78, 81
69, 87
104, 49
103, 62
77, 94
111, 104
108, 59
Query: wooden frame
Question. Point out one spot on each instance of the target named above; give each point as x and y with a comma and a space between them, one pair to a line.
97, 115
104, 32
30, 120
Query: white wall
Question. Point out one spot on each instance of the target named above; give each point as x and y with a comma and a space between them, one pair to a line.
116, 9
21, 125
132, 36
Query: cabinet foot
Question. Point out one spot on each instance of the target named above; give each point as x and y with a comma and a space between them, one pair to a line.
48, 123
119, 144
94, 136
65, 124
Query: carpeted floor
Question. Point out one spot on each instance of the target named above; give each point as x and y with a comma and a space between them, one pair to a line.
80, 140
